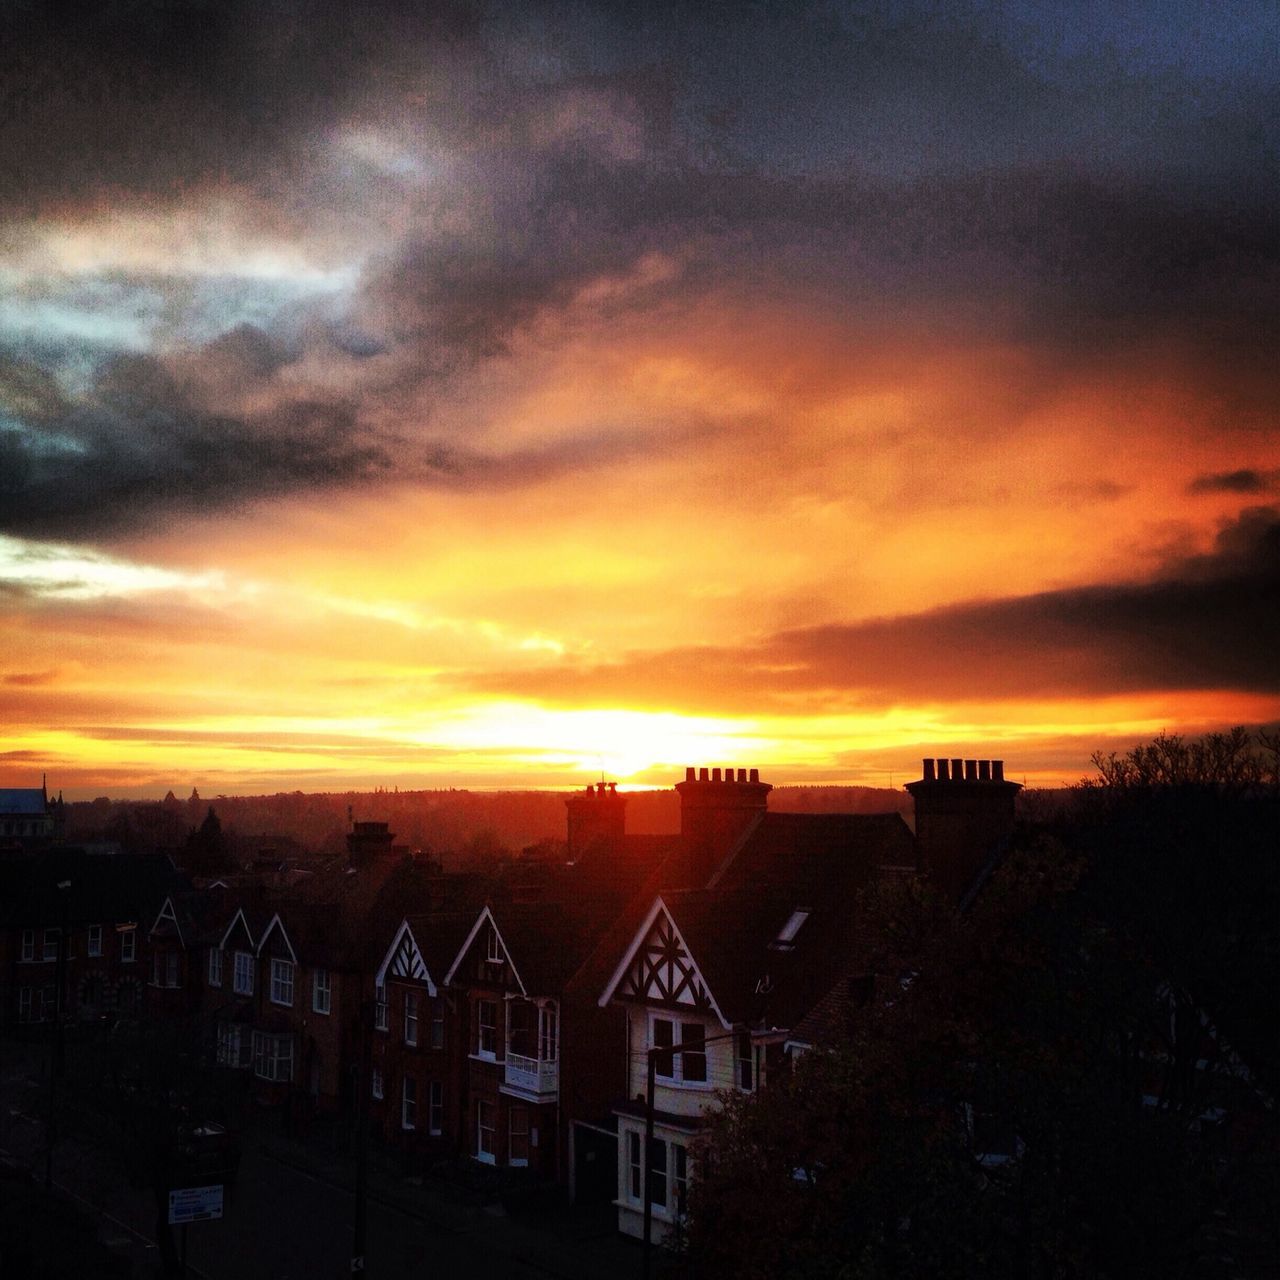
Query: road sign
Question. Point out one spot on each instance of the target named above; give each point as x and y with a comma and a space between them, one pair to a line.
194, 1204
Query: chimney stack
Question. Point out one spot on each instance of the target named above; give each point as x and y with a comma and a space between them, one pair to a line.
964, 811
716, 813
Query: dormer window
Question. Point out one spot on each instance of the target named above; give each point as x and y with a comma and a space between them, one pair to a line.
494, 953
786, 938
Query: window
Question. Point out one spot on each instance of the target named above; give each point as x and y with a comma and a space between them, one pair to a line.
485, 1120
686, 1065
282, 982
518, 1136
680, 1178
51, 940
128, 945
633, 1165
380, 1022
321, 991
746, 1061
243, 980
486, 1029
493, 953
272, 1056
657, 1163
233, 1045
24, 1002
215, 967
409, 1103
786, 939
437, 1023
436, 1103
549, 1034
165, 969
376, 1083
411, 1017
95, 939
28, 945
522, 1028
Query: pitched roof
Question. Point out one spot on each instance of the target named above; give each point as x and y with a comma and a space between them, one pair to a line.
124, 887
23, 802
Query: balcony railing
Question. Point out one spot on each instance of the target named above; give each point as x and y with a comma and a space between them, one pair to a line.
533, 1075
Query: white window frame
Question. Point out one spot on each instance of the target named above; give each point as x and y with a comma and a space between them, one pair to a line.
166, 970
493, 947
409, 1103
215, 966
25, 1004
514, 1161
635, 1168
54, 936
491, 1053
273, 1057
435, 1107
411, 1018
490, 1156
282, 982
93, 947
242, 975
128, 945
381, 1015
321, 991
375, 1083
548, 1033
676, 1078
676, 1176
28, 947
234, 1049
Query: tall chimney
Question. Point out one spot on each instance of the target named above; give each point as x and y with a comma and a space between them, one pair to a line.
596, 816
963, 814
715, 814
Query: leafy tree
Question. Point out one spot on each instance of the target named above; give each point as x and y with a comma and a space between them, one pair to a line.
1021, 1098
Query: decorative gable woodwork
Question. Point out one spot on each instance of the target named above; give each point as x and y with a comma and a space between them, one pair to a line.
663, 972
407, 962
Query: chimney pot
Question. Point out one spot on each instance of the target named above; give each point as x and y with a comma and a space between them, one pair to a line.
715, 775
688, 773
702, 774
929, 775
971, 771
984, 770
957, 770
944, 770
997, 770
754, 775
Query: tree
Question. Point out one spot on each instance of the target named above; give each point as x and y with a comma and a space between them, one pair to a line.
1021, 1097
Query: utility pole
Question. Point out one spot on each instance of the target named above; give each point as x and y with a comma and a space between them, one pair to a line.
56, 1065
647, 1181
363, 1061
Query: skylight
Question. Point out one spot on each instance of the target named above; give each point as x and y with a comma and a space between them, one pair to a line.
787, 934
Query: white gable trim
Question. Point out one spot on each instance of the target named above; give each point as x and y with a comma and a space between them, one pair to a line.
168, 913
659, 908
244, 920
418, 962
284, 933
484, 915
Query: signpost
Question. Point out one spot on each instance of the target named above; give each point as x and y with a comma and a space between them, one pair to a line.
194, 1204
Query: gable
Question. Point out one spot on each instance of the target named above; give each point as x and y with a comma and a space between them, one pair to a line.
658, 969
238, 937
404, 961
275, 941
166, 924
473, 960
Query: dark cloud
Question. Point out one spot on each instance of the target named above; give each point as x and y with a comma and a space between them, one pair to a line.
30, 679
1210, 622
1246, 480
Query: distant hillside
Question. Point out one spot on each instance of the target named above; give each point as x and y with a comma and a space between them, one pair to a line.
457, 826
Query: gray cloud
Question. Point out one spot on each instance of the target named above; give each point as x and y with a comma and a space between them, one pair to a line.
1247, 480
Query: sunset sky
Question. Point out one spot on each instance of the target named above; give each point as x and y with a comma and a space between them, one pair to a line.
455, 396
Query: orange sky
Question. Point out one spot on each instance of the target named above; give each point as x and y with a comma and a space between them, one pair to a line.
433, 447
